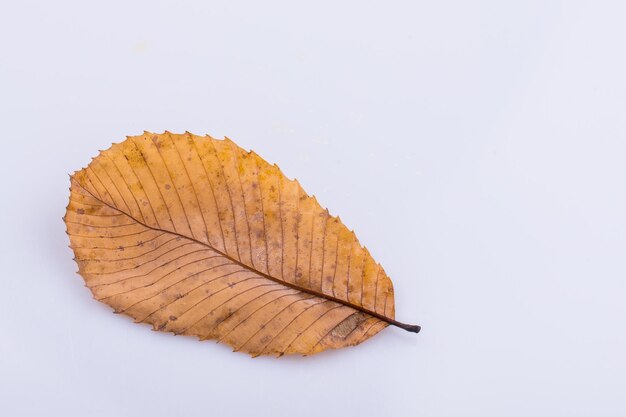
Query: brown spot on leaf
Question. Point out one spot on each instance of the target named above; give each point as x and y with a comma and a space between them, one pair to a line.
346, 327
80, 211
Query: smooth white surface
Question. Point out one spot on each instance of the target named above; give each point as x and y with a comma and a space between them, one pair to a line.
478, 148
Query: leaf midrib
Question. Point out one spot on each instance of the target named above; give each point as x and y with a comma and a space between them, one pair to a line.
408, 327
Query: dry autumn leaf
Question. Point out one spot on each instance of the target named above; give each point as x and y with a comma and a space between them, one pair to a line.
196, 236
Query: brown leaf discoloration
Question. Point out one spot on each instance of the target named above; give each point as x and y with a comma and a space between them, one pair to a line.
198, 237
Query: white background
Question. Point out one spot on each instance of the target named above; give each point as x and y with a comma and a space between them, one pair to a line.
478, 148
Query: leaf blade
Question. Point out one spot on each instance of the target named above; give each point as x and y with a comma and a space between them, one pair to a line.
222, 229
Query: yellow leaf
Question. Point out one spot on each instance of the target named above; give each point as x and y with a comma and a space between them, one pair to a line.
198, 237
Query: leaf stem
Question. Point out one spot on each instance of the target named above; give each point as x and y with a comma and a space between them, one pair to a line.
413, 328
